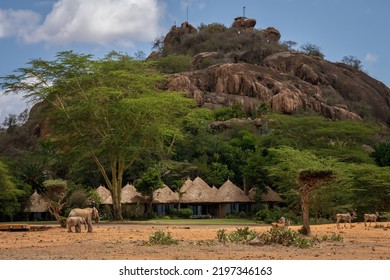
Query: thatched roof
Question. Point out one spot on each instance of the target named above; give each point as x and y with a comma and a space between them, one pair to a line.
36, 204
104, 195
129, 194
165, 195
186, 185
230, 193
197, 192
214, 190
268, 196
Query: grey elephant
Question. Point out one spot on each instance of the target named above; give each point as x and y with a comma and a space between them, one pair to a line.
88, 214
75, 222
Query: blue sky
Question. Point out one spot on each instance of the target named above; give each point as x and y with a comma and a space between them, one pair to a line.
31, 29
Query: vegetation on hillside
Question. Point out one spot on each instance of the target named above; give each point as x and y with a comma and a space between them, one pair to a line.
108, 122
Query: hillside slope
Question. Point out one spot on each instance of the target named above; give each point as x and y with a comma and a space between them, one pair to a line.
267, 72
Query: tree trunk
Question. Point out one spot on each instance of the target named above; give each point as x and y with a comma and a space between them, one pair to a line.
116, 201
304, 193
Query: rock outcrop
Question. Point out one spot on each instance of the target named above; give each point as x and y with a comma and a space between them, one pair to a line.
244, 23
288, 82
177, 32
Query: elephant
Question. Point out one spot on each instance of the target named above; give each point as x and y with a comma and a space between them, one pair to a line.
75, 222
88, 214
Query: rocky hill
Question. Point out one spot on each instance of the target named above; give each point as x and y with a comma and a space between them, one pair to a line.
287, 81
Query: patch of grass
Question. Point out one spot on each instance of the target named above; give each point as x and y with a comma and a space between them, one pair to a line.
160, 238
241, 235
287, 237
334, 237
222, 236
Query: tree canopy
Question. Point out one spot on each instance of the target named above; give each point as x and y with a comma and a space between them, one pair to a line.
109, 109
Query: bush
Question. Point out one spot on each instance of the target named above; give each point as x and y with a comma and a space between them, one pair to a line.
333, 237
185, 213
174, 64
160, 238
241, 235
273, 215
227, 113
384, 216
312, 49
287, 237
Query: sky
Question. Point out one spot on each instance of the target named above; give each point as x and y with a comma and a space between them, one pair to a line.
32, 29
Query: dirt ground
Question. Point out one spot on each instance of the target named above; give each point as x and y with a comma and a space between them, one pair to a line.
196, 242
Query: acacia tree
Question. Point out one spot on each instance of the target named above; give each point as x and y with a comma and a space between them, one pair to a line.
54, 194
309, 181
301, 174
109, 109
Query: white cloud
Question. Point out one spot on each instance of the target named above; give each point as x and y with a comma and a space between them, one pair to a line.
102, 22
17, 23
11, 104
371, 58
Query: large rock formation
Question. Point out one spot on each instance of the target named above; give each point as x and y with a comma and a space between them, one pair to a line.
176, 32
244, 23
289, 82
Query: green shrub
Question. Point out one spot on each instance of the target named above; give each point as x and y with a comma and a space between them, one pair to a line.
273, 215
174, 64
241, 235
384, 216
287, 237
222, 235
185, 213
160, 238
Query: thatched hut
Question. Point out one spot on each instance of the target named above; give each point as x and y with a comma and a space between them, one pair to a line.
231, 199
269, 197
133, 203
164, 200
186, 185
36, 205
104, 195
198, 196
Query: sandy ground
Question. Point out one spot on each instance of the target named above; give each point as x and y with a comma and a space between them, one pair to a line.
196, 242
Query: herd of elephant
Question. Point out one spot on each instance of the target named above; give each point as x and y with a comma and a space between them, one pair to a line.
78, 217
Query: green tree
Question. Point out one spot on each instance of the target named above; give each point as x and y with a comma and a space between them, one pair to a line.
9, 193
312, 49
301, 173
174, 63
54, 194
148, 183
381, 154
352, 61
254, 171
219, 173
372, 188
108, 109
